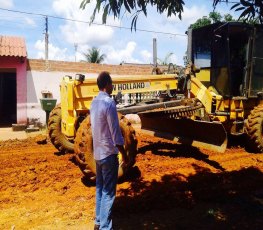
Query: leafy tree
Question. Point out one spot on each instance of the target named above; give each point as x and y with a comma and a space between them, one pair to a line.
228, 18
135, 7
212, 18
204, 21
93, 55
251, 10
215, 17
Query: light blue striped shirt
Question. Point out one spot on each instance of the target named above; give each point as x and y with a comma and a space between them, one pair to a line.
105, 126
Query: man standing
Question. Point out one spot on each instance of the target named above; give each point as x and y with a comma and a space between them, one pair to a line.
107, 142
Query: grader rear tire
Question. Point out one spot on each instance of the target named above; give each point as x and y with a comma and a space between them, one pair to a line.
83, 148
57, 138
254, 126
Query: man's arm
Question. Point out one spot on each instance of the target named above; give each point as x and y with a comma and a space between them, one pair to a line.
123, 153
114, 126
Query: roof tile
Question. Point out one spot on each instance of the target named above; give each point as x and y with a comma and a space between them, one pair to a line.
12, 46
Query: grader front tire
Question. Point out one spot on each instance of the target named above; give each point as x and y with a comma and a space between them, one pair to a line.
254, 129
83, 148
57, 138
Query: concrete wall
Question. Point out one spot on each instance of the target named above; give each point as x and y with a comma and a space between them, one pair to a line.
84, 67
47, 76
21, 84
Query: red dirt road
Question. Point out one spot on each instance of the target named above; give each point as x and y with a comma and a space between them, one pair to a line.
171, 187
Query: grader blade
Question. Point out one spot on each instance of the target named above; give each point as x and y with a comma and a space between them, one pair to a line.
201, 134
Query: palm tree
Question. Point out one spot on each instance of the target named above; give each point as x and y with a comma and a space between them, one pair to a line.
166, 59
93, 55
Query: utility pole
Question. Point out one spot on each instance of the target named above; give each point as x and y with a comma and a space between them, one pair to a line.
154, 52
46, 39
76, 48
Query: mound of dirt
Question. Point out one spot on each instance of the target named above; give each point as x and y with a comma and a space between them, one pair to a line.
170, 187
39, 139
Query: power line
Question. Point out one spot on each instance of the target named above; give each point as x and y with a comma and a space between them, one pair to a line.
231, 2
87, 22
225, 1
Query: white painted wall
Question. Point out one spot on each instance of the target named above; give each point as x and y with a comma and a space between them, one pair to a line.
38, 81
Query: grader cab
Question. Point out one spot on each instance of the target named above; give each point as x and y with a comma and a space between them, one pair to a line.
195, 106
230, 57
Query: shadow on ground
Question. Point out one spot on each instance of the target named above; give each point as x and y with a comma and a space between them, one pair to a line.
178, 150
206, 200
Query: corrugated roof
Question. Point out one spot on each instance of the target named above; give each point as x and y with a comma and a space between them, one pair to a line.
12, 46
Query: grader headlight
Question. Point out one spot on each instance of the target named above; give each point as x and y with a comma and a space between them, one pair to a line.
80, 77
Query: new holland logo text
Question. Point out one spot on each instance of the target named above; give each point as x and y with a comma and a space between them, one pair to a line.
128, 86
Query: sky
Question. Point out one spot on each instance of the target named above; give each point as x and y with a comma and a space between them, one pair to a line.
69, 39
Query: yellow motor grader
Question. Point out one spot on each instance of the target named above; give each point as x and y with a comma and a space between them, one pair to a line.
197, 106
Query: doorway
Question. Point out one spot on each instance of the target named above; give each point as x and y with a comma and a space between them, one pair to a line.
8, 99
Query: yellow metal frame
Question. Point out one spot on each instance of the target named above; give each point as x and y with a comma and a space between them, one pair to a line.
76, 96
234, 107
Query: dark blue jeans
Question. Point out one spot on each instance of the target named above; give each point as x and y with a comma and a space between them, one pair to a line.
106, 182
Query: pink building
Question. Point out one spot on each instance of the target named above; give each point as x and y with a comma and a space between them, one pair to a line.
13, 81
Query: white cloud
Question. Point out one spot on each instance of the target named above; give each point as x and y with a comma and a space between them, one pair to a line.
85, 34
54, 53
147, 56
190, 15
30, 21
122, 55
82, 33
176, 42
6, 3
116, 44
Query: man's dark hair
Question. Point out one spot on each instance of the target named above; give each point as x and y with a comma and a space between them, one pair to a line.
103, 79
